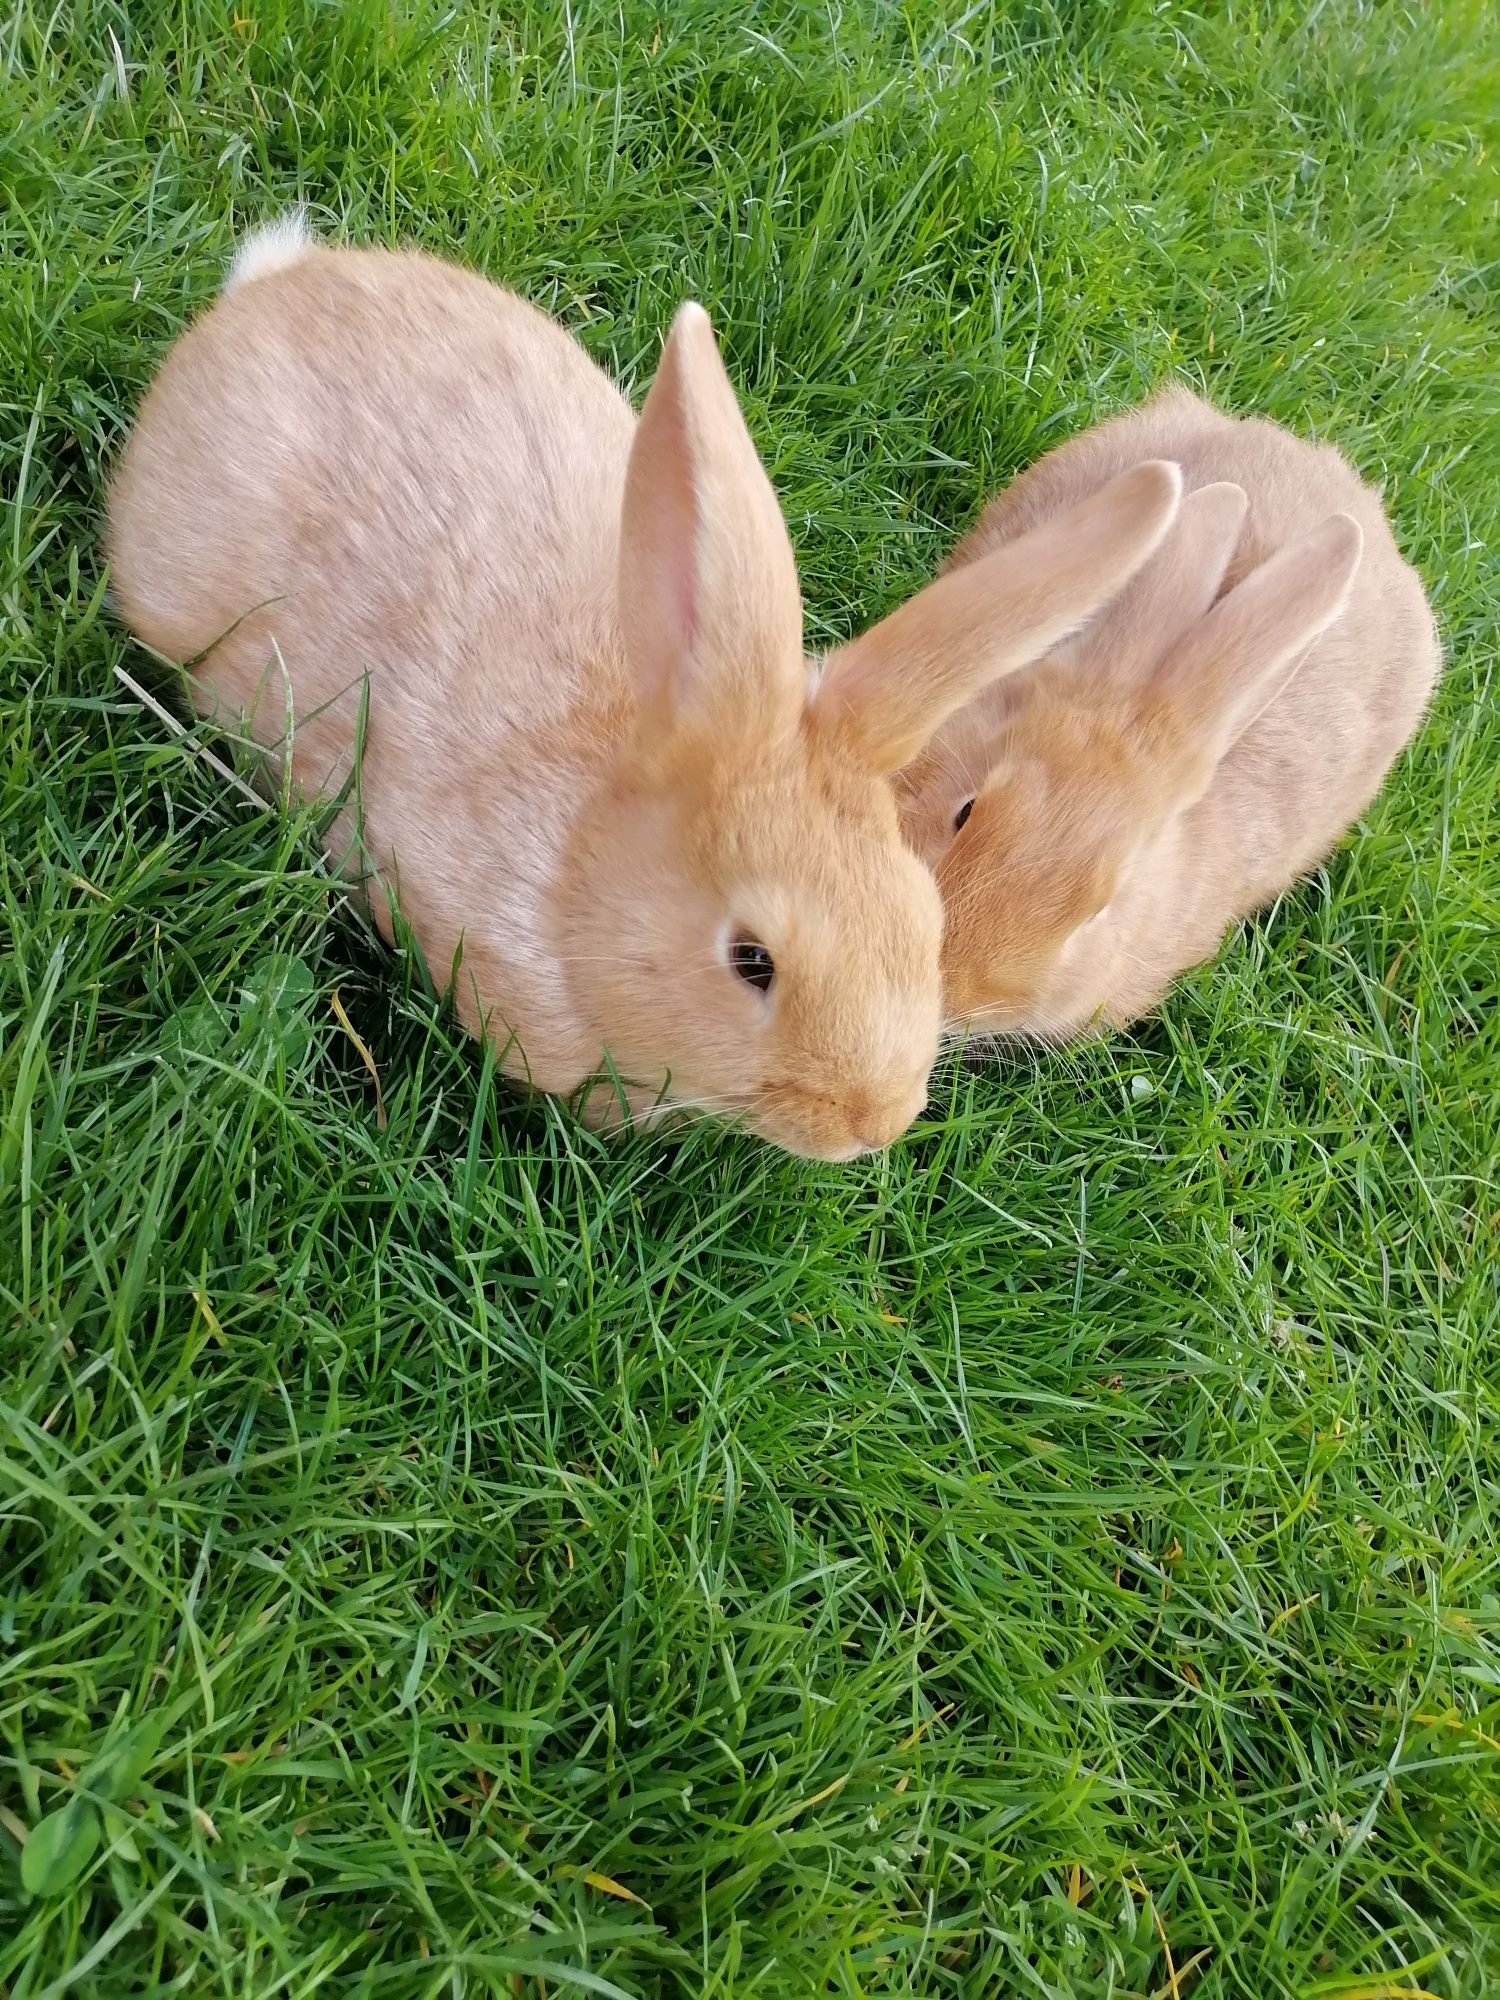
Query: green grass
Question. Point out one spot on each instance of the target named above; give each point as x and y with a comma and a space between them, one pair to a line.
1058, 1558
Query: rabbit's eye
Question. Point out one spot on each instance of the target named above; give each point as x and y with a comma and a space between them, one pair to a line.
753, 963
961, 817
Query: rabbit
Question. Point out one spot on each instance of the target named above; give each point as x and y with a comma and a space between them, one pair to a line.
549, 658
1097, 823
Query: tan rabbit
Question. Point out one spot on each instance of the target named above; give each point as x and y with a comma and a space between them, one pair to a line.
392, 506
1097, 823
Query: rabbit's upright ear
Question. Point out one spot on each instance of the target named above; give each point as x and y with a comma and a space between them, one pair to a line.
886, 692
1224, 671
709, 605
1176, 588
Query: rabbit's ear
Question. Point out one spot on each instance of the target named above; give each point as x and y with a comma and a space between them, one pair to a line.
1217, 678
709, 604
886, 692
1179, 584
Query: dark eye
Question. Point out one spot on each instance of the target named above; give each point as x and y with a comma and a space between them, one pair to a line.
753, 963
961, 817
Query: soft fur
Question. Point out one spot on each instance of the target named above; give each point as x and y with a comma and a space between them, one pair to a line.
397, 519
1199, 746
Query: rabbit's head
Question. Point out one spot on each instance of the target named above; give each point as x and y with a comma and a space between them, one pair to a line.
1037, 805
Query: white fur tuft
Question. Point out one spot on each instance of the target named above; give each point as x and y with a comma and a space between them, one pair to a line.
270, 248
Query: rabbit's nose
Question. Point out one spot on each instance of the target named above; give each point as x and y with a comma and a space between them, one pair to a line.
878, 1124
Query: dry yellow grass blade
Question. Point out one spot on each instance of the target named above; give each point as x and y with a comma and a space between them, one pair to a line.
341, 1016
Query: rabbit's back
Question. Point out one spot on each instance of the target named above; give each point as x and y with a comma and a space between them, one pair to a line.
388, 467
381, 498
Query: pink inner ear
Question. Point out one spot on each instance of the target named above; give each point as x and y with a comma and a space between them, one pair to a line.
674, 540
684, 596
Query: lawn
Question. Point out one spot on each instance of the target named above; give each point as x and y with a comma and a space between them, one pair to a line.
1058, 1557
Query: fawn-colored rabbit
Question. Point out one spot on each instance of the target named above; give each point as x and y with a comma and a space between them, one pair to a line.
398, 520
1098, 822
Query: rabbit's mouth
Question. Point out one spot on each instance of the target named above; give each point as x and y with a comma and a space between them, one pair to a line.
836, 1128
811, 1125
